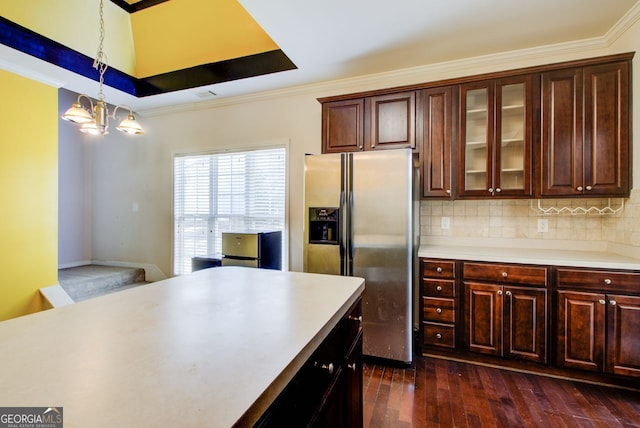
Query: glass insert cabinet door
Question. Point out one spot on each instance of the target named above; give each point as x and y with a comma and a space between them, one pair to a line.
495, 136
477, 136
512, 152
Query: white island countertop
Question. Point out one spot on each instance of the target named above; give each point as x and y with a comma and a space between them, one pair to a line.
198, 350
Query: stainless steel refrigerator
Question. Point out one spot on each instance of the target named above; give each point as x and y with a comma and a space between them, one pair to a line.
358, 222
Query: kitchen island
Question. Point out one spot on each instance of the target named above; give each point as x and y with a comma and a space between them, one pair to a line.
213, 348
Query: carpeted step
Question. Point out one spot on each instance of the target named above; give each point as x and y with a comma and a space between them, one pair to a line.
85, 282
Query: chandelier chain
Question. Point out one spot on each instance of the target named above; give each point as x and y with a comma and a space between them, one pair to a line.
100, 62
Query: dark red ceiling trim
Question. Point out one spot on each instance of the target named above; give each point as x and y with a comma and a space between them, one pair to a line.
135, 7
31, 43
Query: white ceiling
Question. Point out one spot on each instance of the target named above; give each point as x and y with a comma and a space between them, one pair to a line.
337, 39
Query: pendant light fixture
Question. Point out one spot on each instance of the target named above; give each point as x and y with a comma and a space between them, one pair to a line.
95, 121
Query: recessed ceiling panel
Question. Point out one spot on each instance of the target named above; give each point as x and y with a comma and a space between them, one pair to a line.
181, 34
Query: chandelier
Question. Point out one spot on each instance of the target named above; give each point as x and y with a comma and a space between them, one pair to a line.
95, 121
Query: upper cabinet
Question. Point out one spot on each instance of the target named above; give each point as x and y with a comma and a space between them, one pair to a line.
495, 137
436, 132
369, 123
392, 121
343, 126
549, 131
585, 131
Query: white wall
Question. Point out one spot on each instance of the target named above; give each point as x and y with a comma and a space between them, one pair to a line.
139, 171
74, 190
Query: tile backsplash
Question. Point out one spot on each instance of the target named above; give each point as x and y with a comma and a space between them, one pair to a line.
518, 219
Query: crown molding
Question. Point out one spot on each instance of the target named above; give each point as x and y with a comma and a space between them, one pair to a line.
414, 75
623, 24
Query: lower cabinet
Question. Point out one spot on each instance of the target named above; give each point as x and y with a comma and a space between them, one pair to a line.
567, 319
597, 326
506, 310
438, 316
506, 321
327, 391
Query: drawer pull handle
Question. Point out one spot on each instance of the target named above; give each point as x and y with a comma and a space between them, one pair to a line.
607, 281
499, 292
327, 367
602, 301
439, 288
353, 366
439, 269
438, 336
508, 293
613, 302
504, 274
439, 310
352, 318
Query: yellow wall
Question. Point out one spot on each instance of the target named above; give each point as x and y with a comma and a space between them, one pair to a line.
29, 183
74, 23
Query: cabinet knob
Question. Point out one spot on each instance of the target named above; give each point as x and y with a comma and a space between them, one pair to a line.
439, 288
352, 366
508, 293
499, 292
589, 187
439, 310
438, 336
579, 188
498, 190
448, 191
612, 302
602, 301
490, 189
352, 318
327, 367
439, 269
607, 281
505, 274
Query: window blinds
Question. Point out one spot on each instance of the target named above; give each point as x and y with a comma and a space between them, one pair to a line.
225, 192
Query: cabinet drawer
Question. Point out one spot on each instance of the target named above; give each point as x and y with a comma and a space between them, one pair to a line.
438, 310
508, 274
438, 288
438, 268
439, 335
598, 280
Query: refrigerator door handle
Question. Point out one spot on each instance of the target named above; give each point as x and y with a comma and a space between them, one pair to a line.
349, 219
343, 215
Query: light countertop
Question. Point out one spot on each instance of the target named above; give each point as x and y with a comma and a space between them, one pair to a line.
534, 255
196, 350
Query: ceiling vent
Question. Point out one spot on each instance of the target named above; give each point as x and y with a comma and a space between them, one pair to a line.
206, 94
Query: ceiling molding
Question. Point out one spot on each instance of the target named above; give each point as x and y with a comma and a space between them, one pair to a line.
136, 6
409, 76
623, 24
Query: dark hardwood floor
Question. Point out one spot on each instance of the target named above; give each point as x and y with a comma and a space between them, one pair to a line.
440, 393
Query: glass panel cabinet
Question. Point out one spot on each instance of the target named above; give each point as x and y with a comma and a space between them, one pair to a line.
496, 137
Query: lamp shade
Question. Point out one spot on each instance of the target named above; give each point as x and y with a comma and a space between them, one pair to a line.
130, 126
77, 114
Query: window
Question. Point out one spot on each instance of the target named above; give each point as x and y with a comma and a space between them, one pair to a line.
225, 192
